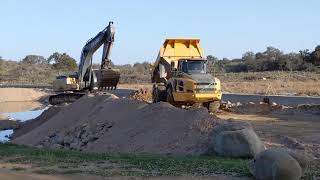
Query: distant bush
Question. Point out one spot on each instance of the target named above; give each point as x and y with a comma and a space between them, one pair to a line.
35, 69
270, 60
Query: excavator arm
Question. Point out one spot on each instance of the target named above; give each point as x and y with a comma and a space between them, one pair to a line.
72, 86
105, 38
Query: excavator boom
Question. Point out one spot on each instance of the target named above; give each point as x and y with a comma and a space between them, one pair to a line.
73, 86
106, 76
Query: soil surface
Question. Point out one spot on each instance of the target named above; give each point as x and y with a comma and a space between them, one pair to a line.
9, 172
7, 107
293, 128
20, 94
107, 124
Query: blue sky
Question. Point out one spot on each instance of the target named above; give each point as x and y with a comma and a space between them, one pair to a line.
226, 28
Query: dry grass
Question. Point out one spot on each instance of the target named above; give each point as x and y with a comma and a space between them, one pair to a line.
272, 83
266, 83
274, 87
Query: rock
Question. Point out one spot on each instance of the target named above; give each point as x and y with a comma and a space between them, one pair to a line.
67, 139
235, 139
76, 145
301, 159
292, 143
275, 165
231, 125
56, 146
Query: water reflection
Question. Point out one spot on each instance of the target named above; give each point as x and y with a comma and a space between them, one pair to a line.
4, 135
24, 116
21, 116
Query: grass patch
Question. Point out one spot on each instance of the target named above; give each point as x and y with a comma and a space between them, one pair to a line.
147, 164
18, 169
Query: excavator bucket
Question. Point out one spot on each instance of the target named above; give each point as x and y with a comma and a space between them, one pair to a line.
108, 78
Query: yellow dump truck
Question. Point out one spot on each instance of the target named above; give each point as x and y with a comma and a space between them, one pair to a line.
180, 76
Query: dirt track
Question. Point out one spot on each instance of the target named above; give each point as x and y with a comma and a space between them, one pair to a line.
12, 175
284, 100
293, 128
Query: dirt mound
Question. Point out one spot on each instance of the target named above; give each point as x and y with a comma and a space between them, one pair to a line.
143, 94
101, 124
20, 94
27, 126
8, 124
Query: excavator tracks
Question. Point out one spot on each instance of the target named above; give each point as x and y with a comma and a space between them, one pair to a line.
65, 98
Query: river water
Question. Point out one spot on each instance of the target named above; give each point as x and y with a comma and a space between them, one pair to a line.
24, 115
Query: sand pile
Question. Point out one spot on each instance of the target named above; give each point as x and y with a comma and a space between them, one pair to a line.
104, 124
28, 126
143, 94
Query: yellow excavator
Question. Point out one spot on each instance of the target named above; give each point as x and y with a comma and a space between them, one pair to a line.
72, 87
180, 76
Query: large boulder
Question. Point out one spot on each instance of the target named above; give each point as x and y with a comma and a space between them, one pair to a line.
275, 165
300, 158
235, 139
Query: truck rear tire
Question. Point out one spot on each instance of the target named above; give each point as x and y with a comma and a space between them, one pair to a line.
170, 98
158, 94
214, 106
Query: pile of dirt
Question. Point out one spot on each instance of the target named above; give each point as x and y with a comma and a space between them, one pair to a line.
143, 94
29, 125
105, 124
8, 124
20, 94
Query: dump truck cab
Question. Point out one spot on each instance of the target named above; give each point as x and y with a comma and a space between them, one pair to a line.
180, 76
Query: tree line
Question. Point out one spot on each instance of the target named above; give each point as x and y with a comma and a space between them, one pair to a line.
272, 59
35, 69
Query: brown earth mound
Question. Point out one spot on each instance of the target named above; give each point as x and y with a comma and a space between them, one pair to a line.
8, 124
101, 124
143, 94
27, 126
